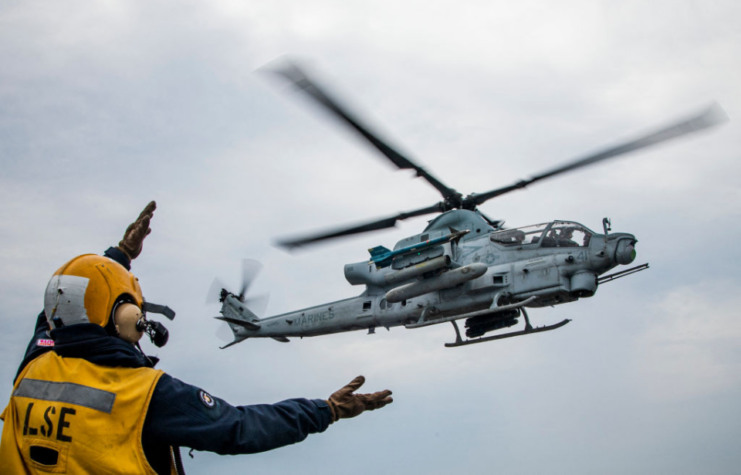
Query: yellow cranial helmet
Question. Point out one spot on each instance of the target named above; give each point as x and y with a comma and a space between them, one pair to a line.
85, 290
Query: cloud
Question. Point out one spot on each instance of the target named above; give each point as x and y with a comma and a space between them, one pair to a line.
689, 348
107, 106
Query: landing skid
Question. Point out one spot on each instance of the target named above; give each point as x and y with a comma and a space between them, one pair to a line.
528, 330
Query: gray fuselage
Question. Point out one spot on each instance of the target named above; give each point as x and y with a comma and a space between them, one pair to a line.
556, 262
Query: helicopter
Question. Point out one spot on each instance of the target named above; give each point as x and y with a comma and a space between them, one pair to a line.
463, 265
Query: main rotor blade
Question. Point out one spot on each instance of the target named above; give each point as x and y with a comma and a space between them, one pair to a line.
712, 116
372, 226
301, 81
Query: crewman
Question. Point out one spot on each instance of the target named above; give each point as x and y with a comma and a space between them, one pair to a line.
565, 238
86, 398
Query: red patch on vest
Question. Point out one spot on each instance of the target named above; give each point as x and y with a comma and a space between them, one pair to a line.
45, 342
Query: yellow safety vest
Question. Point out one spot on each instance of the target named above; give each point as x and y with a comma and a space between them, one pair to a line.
67, 415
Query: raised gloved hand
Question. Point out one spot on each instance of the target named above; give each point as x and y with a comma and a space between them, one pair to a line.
344, 404
133, 239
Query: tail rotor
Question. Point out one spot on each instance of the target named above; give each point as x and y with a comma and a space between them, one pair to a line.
237, 320
218, 292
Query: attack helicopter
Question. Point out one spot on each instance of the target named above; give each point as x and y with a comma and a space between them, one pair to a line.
463, 265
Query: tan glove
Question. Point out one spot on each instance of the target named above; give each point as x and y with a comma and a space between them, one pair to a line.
133, 239
344, 404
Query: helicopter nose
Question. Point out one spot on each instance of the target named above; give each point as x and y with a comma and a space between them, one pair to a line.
625, 252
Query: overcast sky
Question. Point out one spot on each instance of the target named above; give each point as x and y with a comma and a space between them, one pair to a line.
107, 105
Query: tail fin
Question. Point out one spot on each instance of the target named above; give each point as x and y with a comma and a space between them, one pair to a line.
238, 317
236, 313
236, 340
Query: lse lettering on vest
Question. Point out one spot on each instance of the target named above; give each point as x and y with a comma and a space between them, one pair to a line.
67, 415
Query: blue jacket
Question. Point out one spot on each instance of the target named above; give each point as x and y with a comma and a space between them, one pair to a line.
179, 414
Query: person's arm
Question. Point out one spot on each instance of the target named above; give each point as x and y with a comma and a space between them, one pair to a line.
119, 256
185, 416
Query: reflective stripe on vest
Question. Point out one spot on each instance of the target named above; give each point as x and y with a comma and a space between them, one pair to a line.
67, 415
66, 392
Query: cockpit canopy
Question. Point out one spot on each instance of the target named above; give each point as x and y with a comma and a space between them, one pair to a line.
555, 234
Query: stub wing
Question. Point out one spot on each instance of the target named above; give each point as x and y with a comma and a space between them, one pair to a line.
383, 257
241, 323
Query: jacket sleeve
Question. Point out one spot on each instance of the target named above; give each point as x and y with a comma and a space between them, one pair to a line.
119, 256
186, 416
